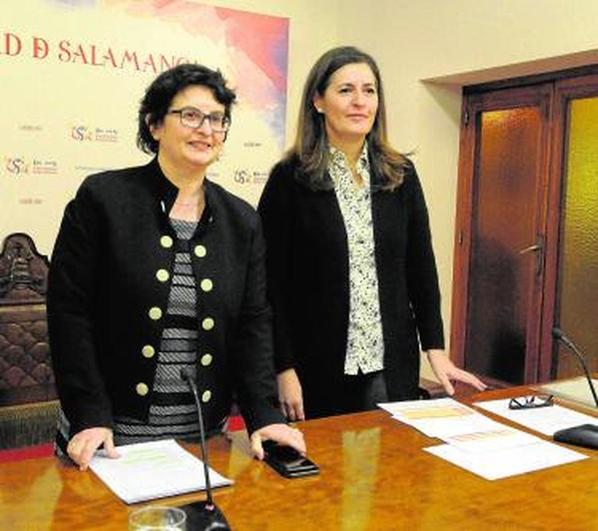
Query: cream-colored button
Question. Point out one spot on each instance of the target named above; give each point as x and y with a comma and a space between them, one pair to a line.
141, 389
206, 359
200, 251
162, 275
206, 395
155, 313
206, 284
166, 242
148, 351
207, 323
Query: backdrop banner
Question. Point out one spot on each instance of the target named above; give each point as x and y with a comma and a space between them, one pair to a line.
73, 73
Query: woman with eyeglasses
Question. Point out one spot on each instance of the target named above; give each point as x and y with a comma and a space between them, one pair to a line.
157, 270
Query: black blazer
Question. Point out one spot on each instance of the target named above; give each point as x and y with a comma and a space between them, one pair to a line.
308, 282
114, 238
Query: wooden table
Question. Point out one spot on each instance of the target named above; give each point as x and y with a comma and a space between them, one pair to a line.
374, 475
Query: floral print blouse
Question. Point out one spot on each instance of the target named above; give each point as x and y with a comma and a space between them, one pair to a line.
365, 345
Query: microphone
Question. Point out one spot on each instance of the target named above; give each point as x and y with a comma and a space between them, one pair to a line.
585, 435
202, 515
559, 335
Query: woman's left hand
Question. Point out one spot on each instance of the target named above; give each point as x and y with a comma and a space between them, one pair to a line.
280, 433
445, 370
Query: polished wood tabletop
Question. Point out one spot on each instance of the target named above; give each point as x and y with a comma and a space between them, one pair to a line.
374, 476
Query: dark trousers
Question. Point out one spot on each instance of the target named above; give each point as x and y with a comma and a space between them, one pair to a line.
360, 392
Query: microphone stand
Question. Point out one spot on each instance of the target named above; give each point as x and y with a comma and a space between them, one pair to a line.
585, 435
559, 335
202, 515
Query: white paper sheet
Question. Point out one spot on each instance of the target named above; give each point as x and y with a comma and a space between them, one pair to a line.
442, 417
151, 470
508, 462
450, 426
438, 408
545, 420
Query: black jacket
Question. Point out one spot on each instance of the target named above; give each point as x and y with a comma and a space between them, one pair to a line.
103, 284
308, 282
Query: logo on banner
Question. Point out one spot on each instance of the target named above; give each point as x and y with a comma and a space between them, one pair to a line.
84, 133
22, 166
44, 167
81, 133
247, 176
16, 165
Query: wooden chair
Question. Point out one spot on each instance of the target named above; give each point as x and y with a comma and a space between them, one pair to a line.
28, 404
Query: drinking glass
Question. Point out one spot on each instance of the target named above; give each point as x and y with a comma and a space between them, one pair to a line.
158, 518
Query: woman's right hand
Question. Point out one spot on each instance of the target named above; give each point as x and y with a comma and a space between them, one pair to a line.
84, 444
290, 395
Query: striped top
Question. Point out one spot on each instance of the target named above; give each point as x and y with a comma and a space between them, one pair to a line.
172, 411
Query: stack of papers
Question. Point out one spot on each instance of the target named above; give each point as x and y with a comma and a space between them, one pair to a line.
155, 469
475, 442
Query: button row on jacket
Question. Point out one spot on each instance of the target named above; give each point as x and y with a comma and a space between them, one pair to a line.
200, 251
206, 359
166, 242
206, 395
206, 284
208, 323
141, 389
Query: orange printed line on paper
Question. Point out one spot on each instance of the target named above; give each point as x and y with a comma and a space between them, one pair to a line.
437, 412
481, 435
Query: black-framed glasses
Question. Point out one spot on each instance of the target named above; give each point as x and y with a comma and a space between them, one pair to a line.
194, 119
531, 402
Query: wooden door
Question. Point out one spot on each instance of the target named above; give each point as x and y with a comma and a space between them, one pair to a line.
500, 236
571, 292
526, 249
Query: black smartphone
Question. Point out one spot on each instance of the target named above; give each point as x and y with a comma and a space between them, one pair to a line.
287, 461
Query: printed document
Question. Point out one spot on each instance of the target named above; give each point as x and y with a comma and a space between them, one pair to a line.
477, 443
545, 420
442, 417
499, 464
155, 469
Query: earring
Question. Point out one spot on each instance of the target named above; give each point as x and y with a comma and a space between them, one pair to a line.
321, 111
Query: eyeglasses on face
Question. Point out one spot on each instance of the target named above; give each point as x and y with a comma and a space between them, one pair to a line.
531, 402
194, 119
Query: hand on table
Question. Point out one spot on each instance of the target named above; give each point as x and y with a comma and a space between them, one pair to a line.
445, 370
280, 433
84, 444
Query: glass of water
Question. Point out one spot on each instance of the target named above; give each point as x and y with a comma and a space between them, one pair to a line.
158, 518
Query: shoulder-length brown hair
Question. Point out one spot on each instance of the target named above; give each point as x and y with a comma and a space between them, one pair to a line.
311, 144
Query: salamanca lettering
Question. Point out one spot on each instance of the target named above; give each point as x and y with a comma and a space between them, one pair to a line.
94, 55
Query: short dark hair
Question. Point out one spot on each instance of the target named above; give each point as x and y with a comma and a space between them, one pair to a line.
166, 86
311, 142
